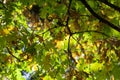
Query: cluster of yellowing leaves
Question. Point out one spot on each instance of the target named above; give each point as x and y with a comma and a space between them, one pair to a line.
6, 30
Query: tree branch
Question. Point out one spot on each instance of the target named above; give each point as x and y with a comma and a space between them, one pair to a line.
9, 51
70, 33
81, 47
99, 17
93, 31
67, 22
69, 51
111, 5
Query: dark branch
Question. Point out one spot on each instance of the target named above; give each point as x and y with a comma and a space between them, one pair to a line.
81, 47
91, 31
67, 22
111, 5
99, 17
49, 29
69, 52
70, 33
9, 51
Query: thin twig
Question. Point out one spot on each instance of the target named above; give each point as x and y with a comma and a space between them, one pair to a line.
69, 51
9, 51
93, 31
82, 49
49, 29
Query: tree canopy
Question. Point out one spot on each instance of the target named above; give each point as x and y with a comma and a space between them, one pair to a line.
59, 39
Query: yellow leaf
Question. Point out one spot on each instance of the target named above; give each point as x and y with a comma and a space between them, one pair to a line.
47, 77
10, 28
34, 67
96, 66
59, 44
6, 31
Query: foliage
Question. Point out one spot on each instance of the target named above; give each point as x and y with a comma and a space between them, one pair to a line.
60, 39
